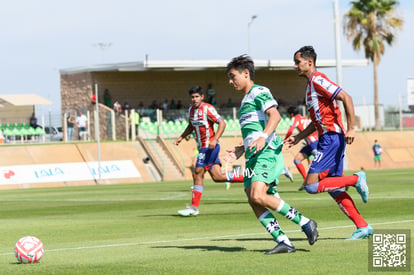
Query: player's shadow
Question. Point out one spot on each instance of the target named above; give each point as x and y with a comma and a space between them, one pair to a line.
207, 248
220, 248
267, 239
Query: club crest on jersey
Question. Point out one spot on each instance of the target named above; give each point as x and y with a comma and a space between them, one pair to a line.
201, 156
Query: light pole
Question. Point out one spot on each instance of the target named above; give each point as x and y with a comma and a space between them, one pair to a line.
248, 32
103, 47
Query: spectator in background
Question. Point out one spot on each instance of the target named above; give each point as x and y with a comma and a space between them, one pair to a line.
126, 107
33, 121
179, 105
165, 105
134, 119
117, 107
229, 103
141, 108
81, 121
107, 98
211, 94
93, 98
173, 106
71, 124
377, 154
154, 105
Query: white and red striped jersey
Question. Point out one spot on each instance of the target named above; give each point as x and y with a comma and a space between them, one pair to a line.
300, 123
321, 104
202, 119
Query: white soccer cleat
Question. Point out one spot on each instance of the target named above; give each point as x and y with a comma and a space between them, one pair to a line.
288, 174
189, 211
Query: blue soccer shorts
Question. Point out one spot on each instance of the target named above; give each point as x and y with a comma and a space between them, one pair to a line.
330, 155
310, 150
208, 157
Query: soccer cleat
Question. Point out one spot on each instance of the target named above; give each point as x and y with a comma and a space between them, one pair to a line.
362, 186
311, 231
189, 211
301, 188
288, 174
281, 248
227, 185
361, 233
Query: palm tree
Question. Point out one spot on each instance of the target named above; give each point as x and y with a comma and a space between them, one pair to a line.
371, 23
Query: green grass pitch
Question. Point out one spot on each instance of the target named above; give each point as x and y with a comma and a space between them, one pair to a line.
135, 229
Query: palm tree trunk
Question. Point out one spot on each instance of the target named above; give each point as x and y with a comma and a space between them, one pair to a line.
376, 106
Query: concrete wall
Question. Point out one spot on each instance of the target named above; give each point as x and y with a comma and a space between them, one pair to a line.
76, 93
398, 152
71, 153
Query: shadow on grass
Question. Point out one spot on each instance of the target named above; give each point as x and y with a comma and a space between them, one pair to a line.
207, 248
269, 239
221, 248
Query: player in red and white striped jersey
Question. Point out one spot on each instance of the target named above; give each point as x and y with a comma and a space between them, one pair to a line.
311, 142
202, 116
326, 171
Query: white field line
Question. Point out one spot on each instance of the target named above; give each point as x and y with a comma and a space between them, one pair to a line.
180, 196
196, 239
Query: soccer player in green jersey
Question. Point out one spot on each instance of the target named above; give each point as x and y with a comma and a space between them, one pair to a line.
258, 118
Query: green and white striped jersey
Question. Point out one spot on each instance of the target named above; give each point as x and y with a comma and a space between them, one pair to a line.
252, 116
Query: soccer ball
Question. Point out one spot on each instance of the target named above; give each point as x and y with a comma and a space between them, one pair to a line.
28, 250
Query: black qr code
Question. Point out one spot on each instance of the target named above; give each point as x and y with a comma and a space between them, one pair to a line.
390, 250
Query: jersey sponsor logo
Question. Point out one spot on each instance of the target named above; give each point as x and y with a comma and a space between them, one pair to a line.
320, 80
8, 174
245, 117
267, 97
197, 123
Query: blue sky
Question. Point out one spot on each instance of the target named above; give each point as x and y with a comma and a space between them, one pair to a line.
41, 37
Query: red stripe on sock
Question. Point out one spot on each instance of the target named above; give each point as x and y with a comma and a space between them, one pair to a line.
301, 169
238, 177
196, 198
346, 204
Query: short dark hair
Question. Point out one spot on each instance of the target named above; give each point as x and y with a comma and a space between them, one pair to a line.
292, 110
195, 90
241, 63
307, 52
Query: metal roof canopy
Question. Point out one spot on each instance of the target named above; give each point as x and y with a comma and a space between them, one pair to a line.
25, 99
191, 65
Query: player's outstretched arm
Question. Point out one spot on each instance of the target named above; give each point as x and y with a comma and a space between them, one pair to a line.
186, 132
219, 133
293, 140
234, 153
